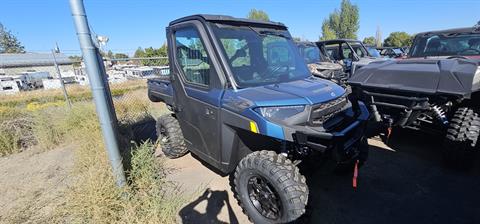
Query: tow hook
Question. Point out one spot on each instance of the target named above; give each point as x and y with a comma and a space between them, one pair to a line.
389, 130
355, 175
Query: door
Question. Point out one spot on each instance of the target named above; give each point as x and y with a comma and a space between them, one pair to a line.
197, 89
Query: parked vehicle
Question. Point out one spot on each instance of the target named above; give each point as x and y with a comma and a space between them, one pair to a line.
373, 52
244, 102
352, 53
319, 64
436, 89
391, 52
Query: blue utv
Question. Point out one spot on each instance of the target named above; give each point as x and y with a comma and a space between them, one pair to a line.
244, 102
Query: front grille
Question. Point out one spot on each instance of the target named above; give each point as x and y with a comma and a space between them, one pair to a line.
322, 112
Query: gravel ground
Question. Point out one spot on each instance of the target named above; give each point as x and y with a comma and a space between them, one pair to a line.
404, 182
32, 184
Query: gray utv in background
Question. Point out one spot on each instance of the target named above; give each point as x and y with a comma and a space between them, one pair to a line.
435, 89
352, 53
320, 64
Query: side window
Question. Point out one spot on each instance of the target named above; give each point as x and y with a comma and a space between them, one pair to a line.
347, 53
192, 56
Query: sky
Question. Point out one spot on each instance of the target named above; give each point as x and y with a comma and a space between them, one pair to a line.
141, 23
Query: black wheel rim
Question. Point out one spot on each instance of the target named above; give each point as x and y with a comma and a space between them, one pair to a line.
264, 197
164, 138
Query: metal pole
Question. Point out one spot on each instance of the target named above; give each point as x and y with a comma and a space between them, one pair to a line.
69, 103
100, 89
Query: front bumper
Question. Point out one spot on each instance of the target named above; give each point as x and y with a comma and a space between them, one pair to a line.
343, 137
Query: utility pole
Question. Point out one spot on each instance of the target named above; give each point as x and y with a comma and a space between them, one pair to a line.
100, 89
378, 37
57, 50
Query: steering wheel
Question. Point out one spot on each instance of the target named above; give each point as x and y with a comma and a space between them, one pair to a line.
276, 69
457, 56
470, 49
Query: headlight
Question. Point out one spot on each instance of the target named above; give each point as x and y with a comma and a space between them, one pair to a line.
279, 113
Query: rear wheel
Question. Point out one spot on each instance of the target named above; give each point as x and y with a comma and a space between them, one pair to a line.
270, 188
170, 137
461, 139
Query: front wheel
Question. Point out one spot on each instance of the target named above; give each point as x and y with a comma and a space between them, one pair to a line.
461, 139
270, 188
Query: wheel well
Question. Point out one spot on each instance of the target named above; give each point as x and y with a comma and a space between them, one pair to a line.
246, 142
474, 100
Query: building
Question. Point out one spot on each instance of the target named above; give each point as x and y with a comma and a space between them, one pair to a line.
14, 64
9, 85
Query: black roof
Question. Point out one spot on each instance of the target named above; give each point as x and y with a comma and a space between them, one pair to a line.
305, 43
448, 31
229, 20
334, 41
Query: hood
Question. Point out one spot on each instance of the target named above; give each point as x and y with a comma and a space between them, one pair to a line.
306, 91
429, 76
368, 60
325, 66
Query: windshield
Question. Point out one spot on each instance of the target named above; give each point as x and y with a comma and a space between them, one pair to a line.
373, 52
446, 45
259, 56
311, 53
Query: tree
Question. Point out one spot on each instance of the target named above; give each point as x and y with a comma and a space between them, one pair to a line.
109, 54
258, 15
139, 53
120, 56
9, 42
398, 39
77, 60
369, 40
327, 32
344, 22
151, 52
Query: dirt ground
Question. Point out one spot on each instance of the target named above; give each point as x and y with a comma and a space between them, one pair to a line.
32, 184
404, 182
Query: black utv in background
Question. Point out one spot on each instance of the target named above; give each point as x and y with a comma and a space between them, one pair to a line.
436, 89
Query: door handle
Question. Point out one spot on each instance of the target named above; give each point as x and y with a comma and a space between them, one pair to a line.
209, 113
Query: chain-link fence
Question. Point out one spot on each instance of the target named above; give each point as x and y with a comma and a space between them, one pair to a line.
30, 89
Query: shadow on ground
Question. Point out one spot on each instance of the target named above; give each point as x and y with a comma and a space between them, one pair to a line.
135, 134
215, 200
408, 185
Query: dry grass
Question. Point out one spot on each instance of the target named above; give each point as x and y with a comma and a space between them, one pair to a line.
93, 197
75, 92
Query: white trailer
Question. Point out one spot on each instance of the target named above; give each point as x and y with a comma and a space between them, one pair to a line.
8, 86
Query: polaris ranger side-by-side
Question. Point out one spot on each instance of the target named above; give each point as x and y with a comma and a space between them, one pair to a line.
319, 64
435, 89
243, 101
352, 53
